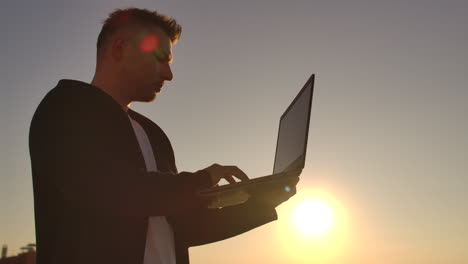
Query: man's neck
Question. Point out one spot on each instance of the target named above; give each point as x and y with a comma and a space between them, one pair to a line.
113, 91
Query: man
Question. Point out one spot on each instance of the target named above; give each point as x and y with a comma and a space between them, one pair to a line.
106, 186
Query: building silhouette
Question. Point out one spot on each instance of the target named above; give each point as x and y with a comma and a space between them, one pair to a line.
27, 255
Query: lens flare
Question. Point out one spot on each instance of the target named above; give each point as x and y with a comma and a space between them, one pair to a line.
149, 43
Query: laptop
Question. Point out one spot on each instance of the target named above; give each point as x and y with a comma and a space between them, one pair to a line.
291, 147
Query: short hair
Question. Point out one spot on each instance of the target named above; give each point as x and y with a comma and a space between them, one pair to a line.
121, 18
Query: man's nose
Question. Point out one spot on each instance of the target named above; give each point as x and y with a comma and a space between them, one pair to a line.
167, 73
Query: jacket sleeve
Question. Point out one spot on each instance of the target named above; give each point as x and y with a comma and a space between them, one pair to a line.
74, 161
203, 226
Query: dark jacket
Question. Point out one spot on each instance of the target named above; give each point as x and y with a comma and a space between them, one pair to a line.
93, 195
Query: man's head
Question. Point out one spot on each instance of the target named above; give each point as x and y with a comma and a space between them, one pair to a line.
134, 53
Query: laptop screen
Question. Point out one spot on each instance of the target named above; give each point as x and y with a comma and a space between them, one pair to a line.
293, 131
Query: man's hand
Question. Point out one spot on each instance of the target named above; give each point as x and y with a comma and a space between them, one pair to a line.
218, 172
278, 194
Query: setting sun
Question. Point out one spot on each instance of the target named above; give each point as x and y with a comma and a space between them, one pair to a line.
313, 227
313, 217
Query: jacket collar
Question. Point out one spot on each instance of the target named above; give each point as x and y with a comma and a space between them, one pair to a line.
77, 83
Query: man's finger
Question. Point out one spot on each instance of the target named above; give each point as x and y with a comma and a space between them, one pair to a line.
230, 179
293, 180
238, 173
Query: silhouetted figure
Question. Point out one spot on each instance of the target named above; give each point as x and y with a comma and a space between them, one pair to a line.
106, 185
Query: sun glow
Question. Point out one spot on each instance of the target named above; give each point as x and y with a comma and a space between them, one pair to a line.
313, 227
313, 217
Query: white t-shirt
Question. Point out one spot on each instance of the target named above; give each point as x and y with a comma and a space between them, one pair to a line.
159, 247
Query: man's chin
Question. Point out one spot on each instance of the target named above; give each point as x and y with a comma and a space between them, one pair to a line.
151, 99
147, 99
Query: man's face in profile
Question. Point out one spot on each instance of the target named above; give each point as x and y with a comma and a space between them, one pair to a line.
146, 63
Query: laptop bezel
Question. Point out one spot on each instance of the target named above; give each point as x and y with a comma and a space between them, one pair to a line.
311, 82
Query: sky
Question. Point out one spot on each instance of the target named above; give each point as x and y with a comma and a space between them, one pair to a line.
388, 139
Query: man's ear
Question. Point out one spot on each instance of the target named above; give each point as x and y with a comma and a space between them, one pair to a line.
117, 49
